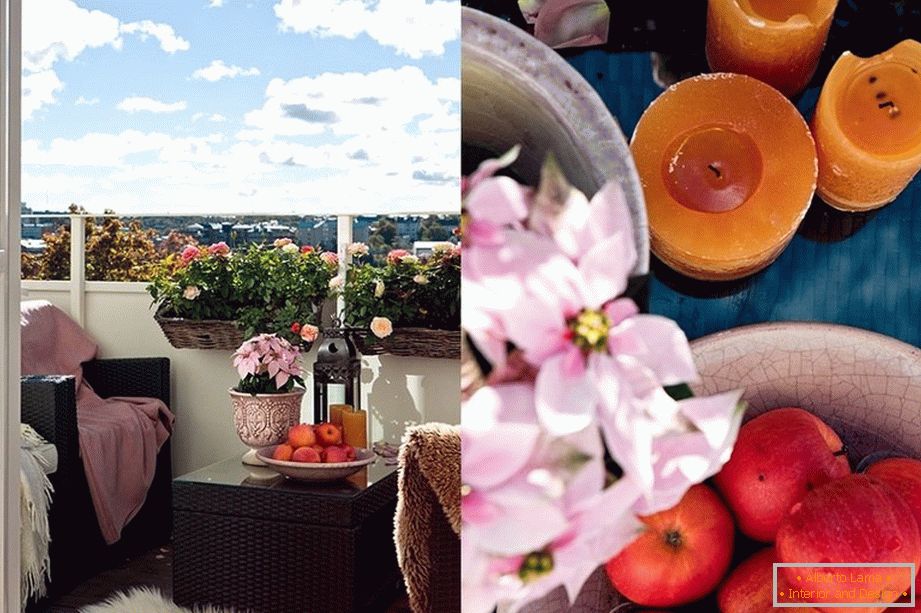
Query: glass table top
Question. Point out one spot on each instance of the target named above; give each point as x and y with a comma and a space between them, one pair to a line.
233, 473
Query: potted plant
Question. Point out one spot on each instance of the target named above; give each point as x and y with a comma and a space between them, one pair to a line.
408, 305
267, 400
213, 298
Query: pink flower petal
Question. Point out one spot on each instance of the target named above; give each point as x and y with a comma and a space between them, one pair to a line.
564, 405
606, 268
659, 344
490, 167
497, 200
620, 309
528, 523
573, 23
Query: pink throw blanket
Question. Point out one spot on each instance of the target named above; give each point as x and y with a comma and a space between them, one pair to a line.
119, 437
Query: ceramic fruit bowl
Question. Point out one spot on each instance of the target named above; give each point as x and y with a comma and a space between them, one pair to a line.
316, 472
864, 385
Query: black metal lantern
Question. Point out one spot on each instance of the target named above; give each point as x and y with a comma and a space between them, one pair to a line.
338, 365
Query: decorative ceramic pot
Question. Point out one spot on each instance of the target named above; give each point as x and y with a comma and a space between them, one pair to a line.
264, 419
518, 91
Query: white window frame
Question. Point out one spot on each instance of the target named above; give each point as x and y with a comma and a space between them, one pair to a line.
10, 102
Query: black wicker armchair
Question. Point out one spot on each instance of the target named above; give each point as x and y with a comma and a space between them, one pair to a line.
78, 549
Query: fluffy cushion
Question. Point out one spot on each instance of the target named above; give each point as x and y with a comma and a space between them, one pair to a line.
145, 600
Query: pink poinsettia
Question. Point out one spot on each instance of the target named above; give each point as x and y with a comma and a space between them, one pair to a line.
575, 366
268, 357
568, 23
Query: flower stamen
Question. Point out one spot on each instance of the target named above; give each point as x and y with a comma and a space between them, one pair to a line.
589, 330
535, 565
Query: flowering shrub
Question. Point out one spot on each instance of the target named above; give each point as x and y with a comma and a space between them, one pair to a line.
577, 373
267, 364
278, 287
406, 290
264, 289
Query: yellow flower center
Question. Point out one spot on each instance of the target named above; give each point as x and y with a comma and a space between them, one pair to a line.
590, 330
535, 565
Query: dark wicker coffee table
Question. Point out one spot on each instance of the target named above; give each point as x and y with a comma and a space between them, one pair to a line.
272, 545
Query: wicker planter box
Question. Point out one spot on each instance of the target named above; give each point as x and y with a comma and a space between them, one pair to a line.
413, 342
200, 334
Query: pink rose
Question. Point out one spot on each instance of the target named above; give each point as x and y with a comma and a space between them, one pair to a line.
330, 258
309, 333
397, 255
189, 254
307, 249
220, 248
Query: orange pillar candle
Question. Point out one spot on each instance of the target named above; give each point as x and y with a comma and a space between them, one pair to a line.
776, 41
335, 412
355, 428
867, 127
728, 168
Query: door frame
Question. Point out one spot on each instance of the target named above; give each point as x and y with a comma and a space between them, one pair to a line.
10, 146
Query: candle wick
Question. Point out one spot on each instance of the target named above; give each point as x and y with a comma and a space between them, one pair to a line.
715, 170
893, 109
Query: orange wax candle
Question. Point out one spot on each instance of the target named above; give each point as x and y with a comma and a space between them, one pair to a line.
335, 412
728, 168
867, 127
355, 428
777, 41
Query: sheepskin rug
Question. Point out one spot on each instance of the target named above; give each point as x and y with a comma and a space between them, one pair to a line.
145, 600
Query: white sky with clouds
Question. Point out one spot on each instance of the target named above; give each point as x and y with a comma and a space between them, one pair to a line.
228, 106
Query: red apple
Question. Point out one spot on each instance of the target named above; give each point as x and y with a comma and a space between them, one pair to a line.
750, 587
306, 454
779, 457
854, 519
301, 435
904, 476
335, 454
349, 451
283, 452
328, 434
681, 556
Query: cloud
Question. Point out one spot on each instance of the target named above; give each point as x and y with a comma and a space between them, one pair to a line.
300, 111
215, 117
83, 101
370, 100
215, 4
432, 177
72, 30
170, 42
403, 96
134, 104
414, 28
351, 142
38, 90
217, 70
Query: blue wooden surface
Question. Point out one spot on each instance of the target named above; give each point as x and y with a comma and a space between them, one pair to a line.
870, 279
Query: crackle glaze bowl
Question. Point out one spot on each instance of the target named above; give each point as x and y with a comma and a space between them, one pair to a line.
518, 91
864, 385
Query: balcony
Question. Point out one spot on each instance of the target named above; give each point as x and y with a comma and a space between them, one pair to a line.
397, 391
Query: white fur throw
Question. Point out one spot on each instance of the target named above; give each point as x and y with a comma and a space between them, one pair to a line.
144, 600
34, 502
